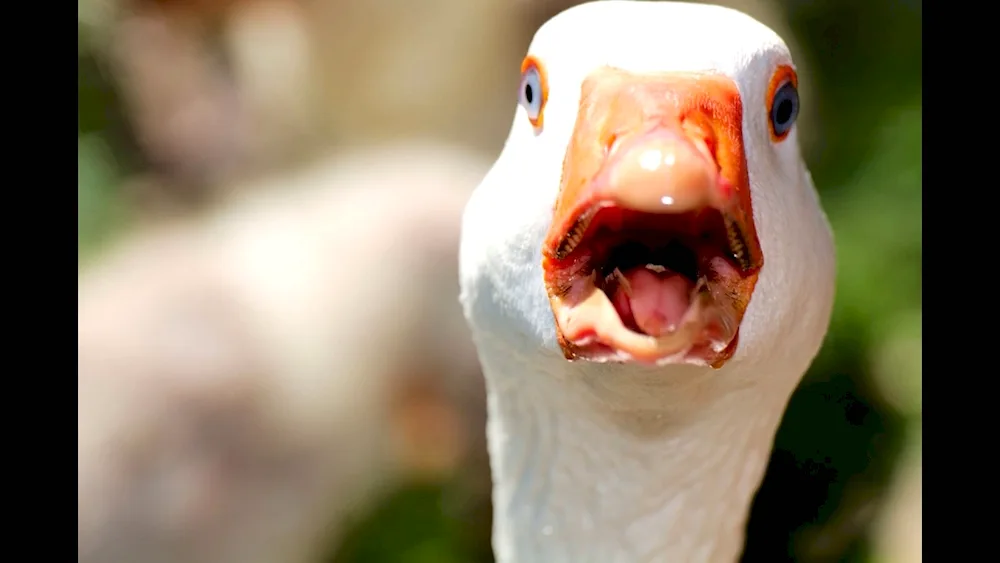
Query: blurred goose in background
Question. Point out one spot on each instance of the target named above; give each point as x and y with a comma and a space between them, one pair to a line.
249, 378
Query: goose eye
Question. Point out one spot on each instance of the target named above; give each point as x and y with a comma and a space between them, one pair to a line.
784, 109
782, 102
533, 91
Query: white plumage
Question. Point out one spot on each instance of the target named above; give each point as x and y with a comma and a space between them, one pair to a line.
626, 462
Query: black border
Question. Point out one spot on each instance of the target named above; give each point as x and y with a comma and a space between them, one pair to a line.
956, 435
41, 259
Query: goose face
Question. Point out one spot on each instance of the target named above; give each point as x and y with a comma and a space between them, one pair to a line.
651, 197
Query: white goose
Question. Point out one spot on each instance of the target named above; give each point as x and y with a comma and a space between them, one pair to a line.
651, 218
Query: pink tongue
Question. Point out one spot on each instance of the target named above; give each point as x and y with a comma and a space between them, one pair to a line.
658, 301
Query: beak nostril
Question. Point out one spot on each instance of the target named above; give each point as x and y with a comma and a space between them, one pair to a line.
709, 148
611, 145
702, 135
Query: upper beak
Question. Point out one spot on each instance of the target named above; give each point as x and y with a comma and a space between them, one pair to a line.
659, 144
655, 144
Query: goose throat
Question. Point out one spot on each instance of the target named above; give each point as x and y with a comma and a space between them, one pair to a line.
578, 480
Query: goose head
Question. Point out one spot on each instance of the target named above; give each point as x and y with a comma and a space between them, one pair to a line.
651, 207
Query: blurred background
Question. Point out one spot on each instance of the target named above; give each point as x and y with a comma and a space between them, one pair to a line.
273, 363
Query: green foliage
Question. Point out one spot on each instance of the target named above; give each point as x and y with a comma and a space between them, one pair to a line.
99, 207
99, 210
878, 221
409, 527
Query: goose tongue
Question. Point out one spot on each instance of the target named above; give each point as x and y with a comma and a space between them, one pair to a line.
652, 299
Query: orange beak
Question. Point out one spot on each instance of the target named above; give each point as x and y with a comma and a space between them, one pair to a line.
653, 160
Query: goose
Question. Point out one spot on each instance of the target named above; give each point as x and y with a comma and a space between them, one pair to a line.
241, 399
647, 273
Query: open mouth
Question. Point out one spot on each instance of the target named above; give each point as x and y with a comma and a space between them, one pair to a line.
653, 287
652, 254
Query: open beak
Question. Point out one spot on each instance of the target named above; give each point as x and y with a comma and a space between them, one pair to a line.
652, 255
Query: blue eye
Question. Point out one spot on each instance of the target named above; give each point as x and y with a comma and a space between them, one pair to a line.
784, 109
531, 93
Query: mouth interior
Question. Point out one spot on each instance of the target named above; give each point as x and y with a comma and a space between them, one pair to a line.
652, 267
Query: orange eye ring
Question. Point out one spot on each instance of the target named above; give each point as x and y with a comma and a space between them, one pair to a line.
533, 90
783, 75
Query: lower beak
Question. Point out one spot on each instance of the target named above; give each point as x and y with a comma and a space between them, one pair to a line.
652, 153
